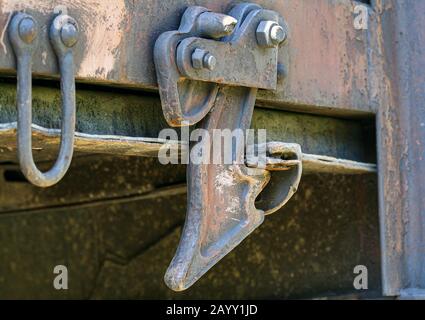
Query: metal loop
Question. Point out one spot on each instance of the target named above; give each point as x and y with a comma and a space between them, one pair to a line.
63, 36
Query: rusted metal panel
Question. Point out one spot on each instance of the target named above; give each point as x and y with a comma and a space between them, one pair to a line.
401, 136
326, 65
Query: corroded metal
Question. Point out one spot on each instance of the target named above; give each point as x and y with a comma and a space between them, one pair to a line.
63, 35
171, 85
270, 34
149, 147
332, 70
188, 91
116, 48
400, 31
284, 162
242, 62
221, 197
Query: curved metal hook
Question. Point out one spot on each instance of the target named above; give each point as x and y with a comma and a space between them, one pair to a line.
63, 36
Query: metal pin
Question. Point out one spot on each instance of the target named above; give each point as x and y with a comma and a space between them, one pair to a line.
216, 25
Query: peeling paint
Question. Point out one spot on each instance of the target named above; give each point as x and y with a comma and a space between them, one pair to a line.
223, 180
105, 34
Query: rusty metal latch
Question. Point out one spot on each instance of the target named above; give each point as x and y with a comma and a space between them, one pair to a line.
209, 72
23, 32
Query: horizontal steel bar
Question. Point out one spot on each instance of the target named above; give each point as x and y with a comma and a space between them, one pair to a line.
316, 163
149, 147
325, 65
133, 115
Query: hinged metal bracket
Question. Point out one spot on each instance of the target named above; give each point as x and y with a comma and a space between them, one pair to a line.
209, 72
23, 31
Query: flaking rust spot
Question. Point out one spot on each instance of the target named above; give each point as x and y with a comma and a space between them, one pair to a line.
8, 7
223, 180
233, 207
100, 21
44, 58
104, 34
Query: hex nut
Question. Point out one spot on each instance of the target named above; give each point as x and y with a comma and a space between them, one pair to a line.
202, 59
198, 58
270, 34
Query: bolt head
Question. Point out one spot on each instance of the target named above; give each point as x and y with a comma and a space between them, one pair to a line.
198, 58
27, 30
270, 34
69, 35
209, 62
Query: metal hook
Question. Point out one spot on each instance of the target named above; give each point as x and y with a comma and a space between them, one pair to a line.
63, 36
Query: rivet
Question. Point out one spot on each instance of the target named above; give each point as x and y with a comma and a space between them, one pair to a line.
27, 30
69, 35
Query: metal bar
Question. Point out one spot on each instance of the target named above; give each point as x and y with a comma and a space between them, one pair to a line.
313, 163
23, 32
149, 147
134, 115
401, 136
326, 65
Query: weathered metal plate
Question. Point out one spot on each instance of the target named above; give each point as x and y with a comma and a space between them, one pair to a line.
46, 140
325, 67
401, 141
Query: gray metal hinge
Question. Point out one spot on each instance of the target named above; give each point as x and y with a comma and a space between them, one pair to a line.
209, 72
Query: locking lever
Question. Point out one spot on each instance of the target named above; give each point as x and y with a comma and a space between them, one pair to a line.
209, 72
23, 32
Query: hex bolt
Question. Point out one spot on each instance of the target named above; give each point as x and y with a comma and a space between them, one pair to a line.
27, 30
69, 35
202, 59
270, 34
